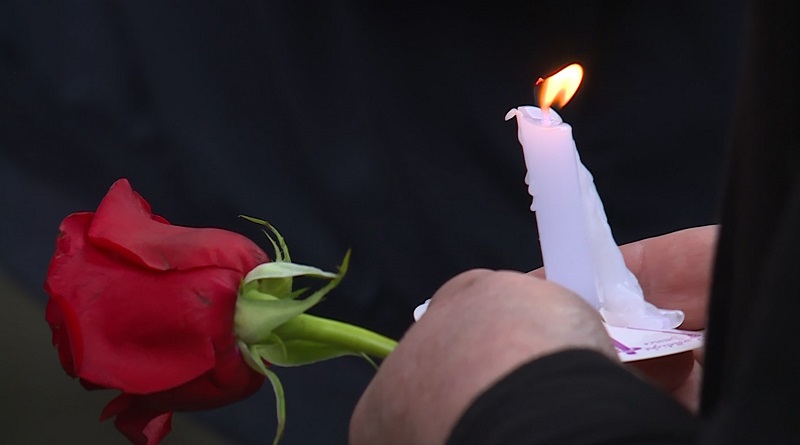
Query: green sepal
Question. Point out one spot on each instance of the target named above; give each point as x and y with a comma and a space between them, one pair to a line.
281, 249
276, 278
253, 359
299, 352
256, 317
278, 285
280, 404
269, 271
271, 327
369, 360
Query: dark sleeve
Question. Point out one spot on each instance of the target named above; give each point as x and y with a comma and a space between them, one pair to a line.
574, 397
751, 387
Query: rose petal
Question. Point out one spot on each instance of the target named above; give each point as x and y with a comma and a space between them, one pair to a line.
70, 352
140, 425
142, 331
62, 318
115, 406
231, 380
124, 224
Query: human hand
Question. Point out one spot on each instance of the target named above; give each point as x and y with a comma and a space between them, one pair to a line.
674, 271
480, 326
464, 344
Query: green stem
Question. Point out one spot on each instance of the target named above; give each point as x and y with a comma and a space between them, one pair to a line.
336, 333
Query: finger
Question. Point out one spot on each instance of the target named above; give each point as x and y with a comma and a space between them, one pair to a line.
458, 284
700, 355
668, 372
688, 394
483, 324
674, 270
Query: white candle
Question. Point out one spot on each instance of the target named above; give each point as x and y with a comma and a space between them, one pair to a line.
578, 249
551, 159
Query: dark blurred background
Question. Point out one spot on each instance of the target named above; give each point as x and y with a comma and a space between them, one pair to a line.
376, 126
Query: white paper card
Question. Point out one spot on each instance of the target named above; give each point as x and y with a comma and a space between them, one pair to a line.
640, 344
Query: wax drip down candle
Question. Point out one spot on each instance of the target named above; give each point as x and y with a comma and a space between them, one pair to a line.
578, 248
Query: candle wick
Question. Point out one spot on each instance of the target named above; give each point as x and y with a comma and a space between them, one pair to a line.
546, 116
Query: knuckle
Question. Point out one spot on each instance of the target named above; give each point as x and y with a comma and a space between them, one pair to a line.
459, 284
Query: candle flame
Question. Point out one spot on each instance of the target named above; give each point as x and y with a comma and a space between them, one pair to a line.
559, 88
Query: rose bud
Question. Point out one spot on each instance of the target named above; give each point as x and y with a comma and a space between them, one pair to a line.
179, 318
146, 307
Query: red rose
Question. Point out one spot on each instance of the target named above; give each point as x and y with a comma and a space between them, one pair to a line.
145, 307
